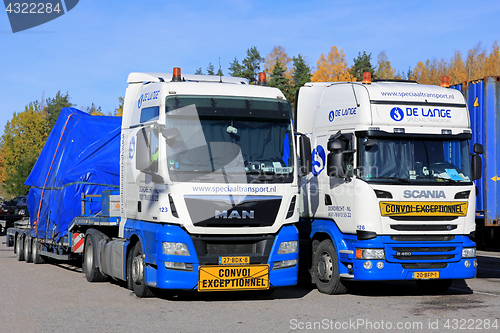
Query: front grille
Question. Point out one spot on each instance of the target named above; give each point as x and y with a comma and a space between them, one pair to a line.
418, 252
424, 249
423, 227
233, 211
422, 238
425, 266
423, 218
210, 248
425, 257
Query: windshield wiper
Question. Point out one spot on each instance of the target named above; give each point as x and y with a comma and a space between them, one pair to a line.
268, 177
404, 180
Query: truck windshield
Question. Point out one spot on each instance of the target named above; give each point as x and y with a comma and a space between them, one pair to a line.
230, 140
415, 161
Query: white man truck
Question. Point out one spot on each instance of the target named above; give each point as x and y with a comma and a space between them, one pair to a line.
196, 189
386, 191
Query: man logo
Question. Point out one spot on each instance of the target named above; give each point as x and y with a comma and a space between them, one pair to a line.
26, 15
234, 214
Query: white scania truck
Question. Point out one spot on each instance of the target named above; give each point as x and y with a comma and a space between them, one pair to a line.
206, 197
386, 191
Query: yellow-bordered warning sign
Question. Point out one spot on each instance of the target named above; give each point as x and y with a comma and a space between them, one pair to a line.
421, 208
237, 277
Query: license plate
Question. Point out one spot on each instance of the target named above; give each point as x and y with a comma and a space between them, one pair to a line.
425, 275
234, 260
235, 277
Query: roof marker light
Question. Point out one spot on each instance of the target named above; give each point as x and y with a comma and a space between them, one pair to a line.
367, 78
445, 82
262, 79
176, 77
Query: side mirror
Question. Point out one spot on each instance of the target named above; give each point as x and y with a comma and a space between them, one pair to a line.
142, 150
477, 167
478, 148
170, 134
305, 154
334, 166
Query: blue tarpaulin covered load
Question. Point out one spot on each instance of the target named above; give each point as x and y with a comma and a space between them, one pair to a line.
82, 154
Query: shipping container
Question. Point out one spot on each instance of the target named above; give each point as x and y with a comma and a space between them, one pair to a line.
483, 102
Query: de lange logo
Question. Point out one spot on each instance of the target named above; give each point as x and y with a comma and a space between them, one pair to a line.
318, 160
26, 15
397, 114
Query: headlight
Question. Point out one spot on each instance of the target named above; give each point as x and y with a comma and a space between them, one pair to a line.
469, 252
288, 247
178, 249
370, 254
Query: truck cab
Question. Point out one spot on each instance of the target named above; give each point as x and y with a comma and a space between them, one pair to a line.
387, 190
209, 183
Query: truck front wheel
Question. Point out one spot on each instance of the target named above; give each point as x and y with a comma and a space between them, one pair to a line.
326, 269
137, 277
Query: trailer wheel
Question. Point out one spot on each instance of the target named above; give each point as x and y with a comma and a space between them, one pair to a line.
19, 247
139, 285
434, 287
326, 270
37, 258
27, 249
92, 272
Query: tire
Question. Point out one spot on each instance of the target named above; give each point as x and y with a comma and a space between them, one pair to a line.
37, 258
27, 249
137, 276
326, 270
19, 247
92, 272
434, 287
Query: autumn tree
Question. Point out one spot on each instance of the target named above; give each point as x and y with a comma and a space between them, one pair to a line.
361, 65
384, 68
119, 110
251, 64
492, 62
278, 54
332, 67
94, 110
475, 62
456, 70
23, 139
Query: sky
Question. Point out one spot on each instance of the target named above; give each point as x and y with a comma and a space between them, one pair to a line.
89, 51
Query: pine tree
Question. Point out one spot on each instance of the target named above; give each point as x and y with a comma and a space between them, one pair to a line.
210, 69
54, 106
362, 64
235, 68
251, 64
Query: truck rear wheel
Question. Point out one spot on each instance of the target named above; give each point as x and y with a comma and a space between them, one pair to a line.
37, 258
326, 270
19, 247
92, 272
137, 277
433, 287
27, 249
